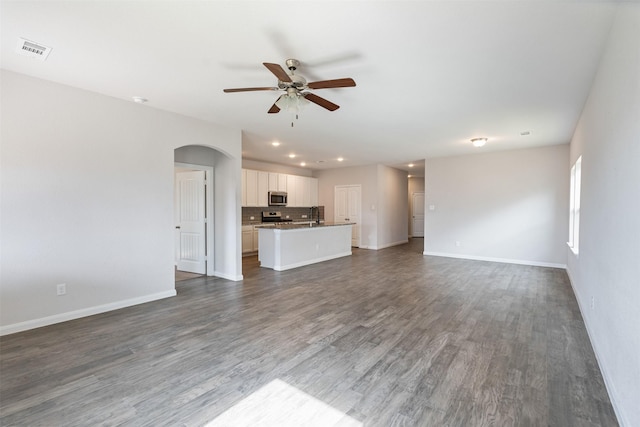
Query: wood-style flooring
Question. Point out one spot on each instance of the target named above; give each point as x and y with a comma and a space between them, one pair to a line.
381, 338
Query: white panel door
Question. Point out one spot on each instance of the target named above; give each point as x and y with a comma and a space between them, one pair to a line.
347, 208
191, 221
417, 214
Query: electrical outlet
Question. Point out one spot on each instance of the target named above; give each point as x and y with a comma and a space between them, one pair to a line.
61, 289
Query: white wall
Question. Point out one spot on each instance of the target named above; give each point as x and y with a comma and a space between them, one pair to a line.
366, 177
87, 200
384, 201
509, 206
273, 167
392, 207
607, 268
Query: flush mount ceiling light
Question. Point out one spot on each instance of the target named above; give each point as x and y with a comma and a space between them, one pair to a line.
479, 142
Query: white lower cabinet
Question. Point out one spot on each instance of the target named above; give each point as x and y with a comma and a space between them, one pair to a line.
247, 238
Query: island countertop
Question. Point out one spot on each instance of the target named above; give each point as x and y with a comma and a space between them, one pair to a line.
285, 246
297, 226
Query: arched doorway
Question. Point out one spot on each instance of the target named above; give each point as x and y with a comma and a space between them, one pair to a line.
222, 240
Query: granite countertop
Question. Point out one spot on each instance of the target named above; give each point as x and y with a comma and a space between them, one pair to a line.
290, 226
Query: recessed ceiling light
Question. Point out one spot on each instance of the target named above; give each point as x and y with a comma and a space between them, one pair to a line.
292, 156
479, 142
275, 143
340, 159
139, 99
408, 176
303, 164
410, 165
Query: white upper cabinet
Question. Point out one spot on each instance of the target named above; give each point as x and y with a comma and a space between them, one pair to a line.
302, 190
255, 188
292, 186
277, 181
252, 188
263, 188
314, 192
244, 187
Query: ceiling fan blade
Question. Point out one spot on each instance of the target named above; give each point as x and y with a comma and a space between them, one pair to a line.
321, 101
326, 84
278, 71
274, 108
249, 89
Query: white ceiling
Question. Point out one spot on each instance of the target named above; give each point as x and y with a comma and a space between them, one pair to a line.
430, 75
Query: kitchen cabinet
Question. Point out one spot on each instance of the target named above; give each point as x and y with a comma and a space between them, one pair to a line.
302, 190
314, 192
251, 188
277, 181
244, 187
292, 185
263, 189
255, 188
247, 238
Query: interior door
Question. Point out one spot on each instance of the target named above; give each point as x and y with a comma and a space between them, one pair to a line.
417, 214
191, 221
347, 202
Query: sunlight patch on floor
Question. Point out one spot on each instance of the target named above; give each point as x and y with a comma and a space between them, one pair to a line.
282, 405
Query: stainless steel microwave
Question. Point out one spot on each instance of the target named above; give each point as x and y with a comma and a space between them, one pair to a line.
277, 198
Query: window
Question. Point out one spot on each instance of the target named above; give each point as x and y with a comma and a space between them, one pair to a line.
574, 206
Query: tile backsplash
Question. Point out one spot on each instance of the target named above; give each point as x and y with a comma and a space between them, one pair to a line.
294, 213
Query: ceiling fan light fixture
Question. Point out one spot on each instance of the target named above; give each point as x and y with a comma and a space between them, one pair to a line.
292, 102
479, 142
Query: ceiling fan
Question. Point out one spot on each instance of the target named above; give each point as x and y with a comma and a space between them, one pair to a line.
295, 86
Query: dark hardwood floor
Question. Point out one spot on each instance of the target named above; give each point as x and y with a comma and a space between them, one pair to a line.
381, 338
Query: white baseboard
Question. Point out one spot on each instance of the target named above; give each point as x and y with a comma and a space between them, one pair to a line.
503, 260
228, 276
388, 245
611, 390
90, 311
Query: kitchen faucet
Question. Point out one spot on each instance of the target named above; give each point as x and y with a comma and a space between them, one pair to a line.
315, 208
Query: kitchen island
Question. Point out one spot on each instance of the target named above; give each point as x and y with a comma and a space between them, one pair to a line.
287, 246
